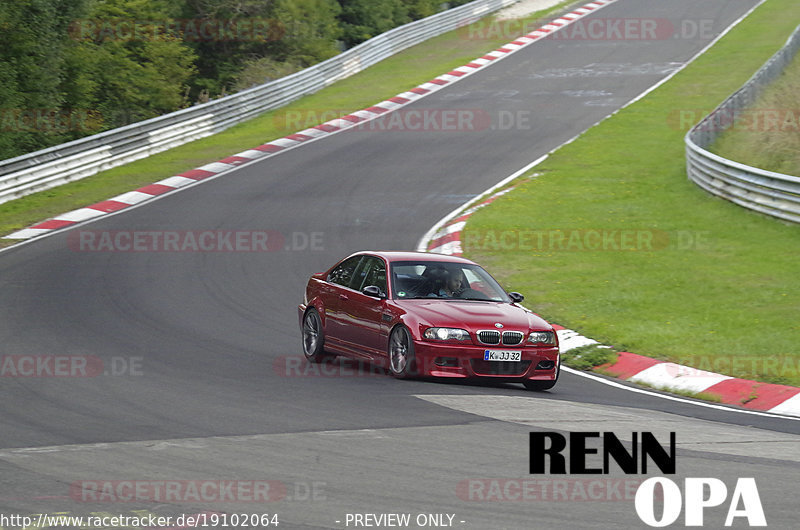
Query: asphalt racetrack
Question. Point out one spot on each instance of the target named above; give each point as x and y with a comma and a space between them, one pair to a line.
210, 385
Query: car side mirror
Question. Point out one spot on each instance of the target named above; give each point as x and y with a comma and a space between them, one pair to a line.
516, 297
373, 290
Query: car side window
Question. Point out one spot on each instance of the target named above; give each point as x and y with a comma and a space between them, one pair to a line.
343, 273
370, 272
375, 274
361, 273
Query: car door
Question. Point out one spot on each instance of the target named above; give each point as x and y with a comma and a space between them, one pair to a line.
335, 291
362, 315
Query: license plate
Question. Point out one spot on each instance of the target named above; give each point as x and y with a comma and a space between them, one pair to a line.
502, 355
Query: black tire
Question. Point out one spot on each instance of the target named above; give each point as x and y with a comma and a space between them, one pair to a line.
538, 386
402, 363
314, 337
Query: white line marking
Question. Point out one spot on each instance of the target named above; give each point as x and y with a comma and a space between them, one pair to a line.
790, 406
671, 376
27, 233
132, 197
283, 142
250, 153
81, 214
312, 132
176, 182
422, 245
388, 105
216, 167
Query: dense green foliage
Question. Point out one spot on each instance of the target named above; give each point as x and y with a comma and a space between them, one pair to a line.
69, 68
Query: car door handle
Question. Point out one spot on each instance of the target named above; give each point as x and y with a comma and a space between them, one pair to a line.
343, 297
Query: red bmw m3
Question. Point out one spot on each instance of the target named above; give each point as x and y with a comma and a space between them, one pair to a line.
426, 315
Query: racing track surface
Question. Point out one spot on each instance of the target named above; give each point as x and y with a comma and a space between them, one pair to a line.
210, 328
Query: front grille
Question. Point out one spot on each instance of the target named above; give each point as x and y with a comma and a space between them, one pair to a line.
479, 366
512, 338
489, 337
509, 338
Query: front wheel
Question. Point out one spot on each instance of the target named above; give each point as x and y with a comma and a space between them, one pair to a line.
313, 337
401, 354
544, 385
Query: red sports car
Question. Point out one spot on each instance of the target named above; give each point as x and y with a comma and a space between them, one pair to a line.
420, 314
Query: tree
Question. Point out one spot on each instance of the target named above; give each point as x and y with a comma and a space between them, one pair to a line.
69, 68
363, 19
418, 9
129, 61
33, 37
308, 30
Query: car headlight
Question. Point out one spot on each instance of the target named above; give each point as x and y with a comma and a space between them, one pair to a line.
542, 337
446, 334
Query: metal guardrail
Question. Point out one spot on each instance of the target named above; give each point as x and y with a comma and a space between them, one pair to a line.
81, 158
764, 191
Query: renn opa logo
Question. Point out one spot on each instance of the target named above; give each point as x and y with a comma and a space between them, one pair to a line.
698, 494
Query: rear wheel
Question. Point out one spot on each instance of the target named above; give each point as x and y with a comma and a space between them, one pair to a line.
401, 354
544, 385
313, 337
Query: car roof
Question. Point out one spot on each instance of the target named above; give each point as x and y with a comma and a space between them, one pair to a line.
392, 256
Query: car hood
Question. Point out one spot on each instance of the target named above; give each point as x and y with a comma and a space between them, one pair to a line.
473, 314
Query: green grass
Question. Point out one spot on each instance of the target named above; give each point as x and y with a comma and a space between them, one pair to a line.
718, 285
589, 357
386, 79
769, 137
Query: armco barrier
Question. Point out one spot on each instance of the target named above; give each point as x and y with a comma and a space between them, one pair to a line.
764, 191
71, 161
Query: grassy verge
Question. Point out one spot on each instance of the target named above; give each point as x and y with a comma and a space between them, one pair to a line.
769, 135
383, 80
696, 280
589, 357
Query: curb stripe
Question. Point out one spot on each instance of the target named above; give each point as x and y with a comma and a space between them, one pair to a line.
52, 224
109, 206
628, 365
753, 395
155, 189
196, 174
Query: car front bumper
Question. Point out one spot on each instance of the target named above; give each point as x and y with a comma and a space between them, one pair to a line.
466, 361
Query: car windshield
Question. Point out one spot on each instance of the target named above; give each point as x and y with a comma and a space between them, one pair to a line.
440, 279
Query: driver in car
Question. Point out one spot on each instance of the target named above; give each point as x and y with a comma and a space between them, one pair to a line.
449, 284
